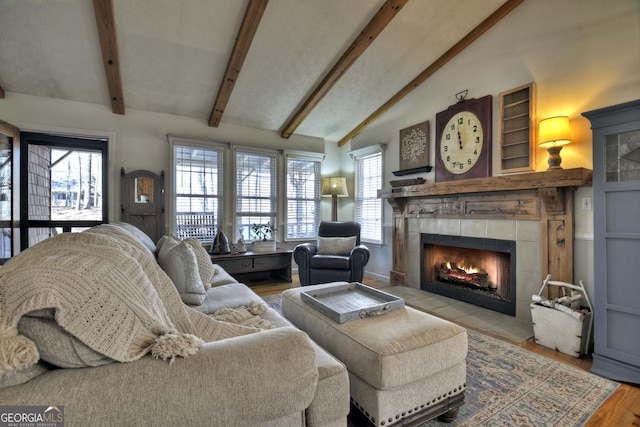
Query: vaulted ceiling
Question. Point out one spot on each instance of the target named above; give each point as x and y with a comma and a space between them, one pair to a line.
323, 68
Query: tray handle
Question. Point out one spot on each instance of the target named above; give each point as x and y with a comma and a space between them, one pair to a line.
364, 313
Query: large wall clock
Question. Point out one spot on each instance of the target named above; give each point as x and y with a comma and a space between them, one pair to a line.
463, 140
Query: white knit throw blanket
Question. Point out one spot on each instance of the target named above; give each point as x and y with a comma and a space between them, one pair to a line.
109, 292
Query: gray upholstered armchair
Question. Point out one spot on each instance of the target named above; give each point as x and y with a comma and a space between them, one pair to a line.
336, 256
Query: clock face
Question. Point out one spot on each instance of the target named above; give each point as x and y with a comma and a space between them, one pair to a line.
461, 142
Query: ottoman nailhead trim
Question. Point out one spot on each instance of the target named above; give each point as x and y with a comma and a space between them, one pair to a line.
409, 411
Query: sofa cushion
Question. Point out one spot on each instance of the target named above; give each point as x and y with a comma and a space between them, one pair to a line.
55, 345
221, 277
178, 260
21, 376
333, 262
336, 245
230, 295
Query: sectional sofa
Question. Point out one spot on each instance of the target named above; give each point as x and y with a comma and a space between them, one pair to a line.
144, 356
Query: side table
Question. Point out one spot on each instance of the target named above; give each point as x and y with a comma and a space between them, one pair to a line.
251, 266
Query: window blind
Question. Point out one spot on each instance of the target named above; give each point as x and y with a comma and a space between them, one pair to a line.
255, 190
303, 185
368, 207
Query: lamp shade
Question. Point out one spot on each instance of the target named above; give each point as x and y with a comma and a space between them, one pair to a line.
334, 187
554, 132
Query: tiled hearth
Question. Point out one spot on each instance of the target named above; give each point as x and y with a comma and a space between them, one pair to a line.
465, 314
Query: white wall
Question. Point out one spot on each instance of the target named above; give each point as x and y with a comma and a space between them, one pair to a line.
582, 55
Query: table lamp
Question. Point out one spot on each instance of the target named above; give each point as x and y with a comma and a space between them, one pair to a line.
553, 133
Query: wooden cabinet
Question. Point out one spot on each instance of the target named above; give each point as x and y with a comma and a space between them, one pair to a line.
616, 202
255, 267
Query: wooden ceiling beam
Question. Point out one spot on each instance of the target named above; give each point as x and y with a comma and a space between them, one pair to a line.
378, 23
472, 36
248, 28
106, 24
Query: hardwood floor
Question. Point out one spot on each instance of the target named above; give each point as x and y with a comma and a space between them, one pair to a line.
621, 409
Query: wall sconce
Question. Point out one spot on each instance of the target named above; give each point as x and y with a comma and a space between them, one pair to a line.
553, 133
334, 187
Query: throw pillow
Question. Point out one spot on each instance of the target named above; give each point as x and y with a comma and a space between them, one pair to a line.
57, 346
205, 266
178, 260
137, 233
160, 243
336, 245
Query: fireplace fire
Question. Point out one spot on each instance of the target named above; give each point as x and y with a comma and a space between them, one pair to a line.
474, 270
468, 276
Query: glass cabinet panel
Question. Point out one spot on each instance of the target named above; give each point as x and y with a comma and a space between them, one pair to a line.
144, 189
622, 157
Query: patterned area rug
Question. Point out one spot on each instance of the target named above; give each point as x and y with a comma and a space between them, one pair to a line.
510, 386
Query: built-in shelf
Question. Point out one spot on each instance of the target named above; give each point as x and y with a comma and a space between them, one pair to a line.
516, 151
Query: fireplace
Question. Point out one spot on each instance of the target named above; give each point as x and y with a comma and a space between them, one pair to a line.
479, 271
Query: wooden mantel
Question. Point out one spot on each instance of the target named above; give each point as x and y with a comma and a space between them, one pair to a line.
544, 196
552, 179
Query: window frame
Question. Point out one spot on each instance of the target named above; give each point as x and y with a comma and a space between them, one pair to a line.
97, 143
275, 213
309, 157
222, 148
359, 156
228, 199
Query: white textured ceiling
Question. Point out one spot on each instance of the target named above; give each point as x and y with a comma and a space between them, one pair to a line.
173, 55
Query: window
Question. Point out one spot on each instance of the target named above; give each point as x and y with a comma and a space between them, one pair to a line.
303, 197
66, 187
271, 186
368, 207
6, 195
197, 190
256, 174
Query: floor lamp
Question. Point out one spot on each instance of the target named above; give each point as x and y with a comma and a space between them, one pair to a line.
334, 187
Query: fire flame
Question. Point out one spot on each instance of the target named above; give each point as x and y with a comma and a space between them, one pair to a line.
461, 266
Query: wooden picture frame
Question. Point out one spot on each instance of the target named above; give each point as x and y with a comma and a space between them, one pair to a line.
414, 146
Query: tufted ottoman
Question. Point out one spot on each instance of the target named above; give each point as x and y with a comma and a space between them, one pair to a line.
405, 367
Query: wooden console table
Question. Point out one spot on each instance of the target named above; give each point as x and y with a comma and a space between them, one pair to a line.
251, 267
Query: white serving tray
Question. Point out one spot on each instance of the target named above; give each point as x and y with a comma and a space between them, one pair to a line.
351, 301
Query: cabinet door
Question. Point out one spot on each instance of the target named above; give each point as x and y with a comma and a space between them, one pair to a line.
616, 193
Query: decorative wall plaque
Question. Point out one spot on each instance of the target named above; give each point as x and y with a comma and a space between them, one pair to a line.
414, 146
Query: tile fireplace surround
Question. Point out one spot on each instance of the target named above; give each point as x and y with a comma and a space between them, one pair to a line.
533, 209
